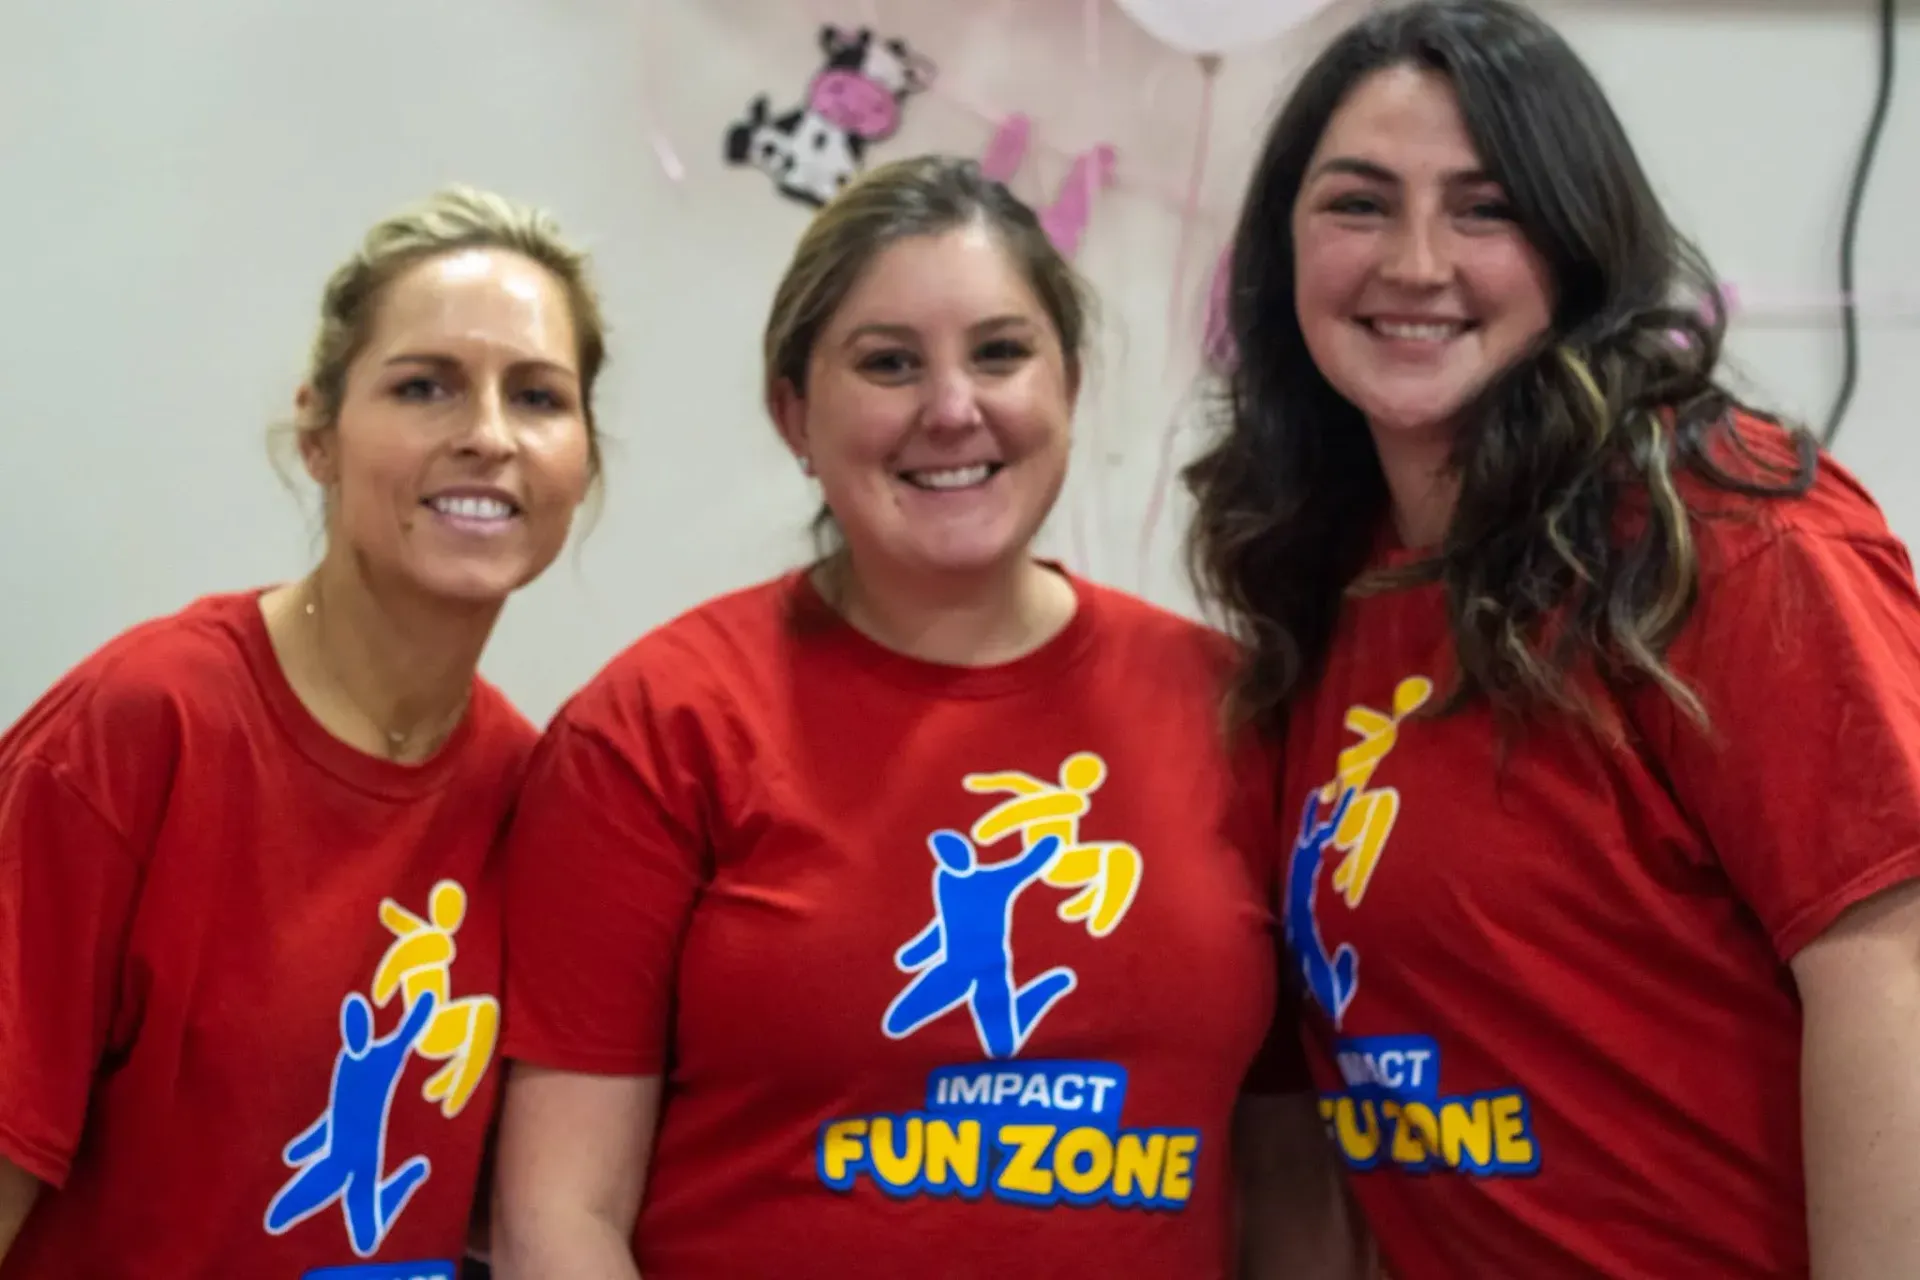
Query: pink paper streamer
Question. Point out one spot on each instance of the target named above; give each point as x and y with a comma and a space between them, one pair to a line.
1065, 218
1216, 340
669, 158
663, 150
1190, 207
1167, 198
1007, 149
1196, 178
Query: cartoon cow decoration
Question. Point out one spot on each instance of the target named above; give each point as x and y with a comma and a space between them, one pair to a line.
854, 100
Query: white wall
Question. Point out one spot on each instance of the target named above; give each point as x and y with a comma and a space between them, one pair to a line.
177, 179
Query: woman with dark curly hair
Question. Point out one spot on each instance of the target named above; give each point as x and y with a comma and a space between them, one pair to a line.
1600, 694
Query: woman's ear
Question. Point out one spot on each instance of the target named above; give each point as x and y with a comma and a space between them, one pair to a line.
318, 445
788, 409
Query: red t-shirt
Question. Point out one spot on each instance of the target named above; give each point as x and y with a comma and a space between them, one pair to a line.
1550, 1002
248, 975
950, 971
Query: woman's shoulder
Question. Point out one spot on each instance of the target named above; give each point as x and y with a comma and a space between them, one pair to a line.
114, 728
1120, 609
686, 660
1763, 482
1142, 631
145, 678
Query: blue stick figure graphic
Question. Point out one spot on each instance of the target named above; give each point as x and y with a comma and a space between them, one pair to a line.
966, 954
342, 1155
1331, 978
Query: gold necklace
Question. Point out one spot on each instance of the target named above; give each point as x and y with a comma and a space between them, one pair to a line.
396, 739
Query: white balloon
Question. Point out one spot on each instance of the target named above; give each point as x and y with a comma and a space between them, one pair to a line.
1217, 26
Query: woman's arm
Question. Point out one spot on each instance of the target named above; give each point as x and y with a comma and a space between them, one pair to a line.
572, 1163
1296, 1219
17, 1191
68, 884
1805, 653
1860, 1089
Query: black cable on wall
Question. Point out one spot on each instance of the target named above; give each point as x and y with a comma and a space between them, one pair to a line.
1849, 231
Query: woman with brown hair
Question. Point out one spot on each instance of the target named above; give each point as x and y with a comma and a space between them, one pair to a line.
907, 914
1600, 693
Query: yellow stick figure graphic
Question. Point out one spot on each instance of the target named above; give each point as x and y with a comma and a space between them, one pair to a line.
462, 1033
1363, 830
1107, 875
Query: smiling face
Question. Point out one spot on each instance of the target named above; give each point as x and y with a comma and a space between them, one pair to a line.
937, 409
1413, 283
461, 448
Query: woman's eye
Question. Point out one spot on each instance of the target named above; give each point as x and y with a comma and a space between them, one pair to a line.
543, 398
887, 363
1004, 350
1356, 204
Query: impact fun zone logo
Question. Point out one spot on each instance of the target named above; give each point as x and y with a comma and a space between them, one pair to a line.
1392, 1111
340, 1162
1028, 1132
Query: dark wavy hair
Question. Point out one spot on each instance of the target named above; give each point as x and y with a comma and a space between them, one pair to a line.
1570, 547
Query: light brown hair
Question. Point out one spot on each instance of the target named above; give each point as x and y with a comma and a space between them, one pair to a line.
918, 196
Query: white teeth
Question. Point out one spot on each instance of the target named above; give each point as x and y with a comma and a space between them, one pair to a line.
1417, 332
952, 477
472, 508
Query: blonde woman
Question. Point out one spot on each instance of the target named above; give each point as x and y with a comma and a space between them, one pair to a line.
249, 953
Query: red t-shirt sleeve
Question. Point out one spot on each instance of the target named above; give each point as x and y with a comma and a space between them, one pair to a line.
1280, 1066
1806, 654
605, 856
67, 887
